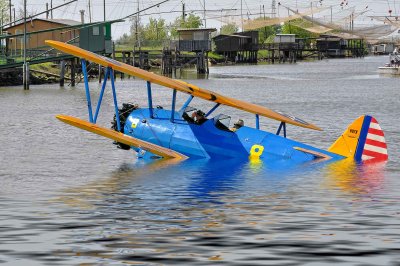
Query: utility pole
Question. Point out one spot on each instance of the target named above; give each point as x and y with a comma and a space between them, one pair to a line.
137, 41
241, 13
183, 14
2, 22
25, 70
273, 8
51, 9
104, 8
263, 11
47, 10
90, 12
331, 14
265, 28
204, 14
312, 14
10, 5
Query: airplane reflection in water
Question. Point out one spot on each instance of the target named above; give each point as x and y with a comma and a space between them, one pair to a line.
350, 176
207, 180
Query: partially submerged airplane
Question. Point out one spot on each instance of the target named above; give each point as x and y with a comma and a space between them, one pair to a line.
189, 133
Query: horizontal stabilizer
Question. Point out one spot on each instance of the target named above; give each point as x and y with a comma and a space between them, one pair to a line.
318, 155
120, 137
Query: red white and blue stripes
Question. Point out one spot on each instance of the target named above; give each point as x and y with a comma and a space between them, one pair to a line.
375, 144
372, 144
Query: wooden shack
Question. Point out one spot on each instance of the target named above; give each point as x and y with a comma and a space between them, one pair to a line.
96, 37
194, 40
37, 41
238, 47
332, 46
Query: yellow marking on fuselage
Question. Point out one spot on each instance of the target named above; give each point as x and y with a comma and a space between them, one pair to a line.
256, 151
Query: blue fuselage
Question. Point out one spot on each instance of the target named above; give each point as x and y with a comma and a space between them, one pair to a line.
209, 141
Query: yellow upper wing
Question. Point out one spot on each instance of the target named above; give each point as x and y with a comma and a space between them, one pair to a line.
179, 85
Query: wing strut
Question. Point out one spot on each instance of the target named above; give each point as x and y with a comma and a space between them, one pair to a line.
85, 77
282, 125
109, 73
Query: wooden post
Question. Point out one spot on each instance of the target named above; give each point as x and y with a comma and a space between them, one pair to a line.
25, 73
100, 73
207, 67
273, 56
123, 61
73, 72
62, 73
113, 57
133, 56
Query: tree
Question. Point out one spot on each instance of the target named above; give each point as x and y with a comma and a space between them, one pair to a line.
190, 22
136, 31
124, 39
155, 30
4, 15
266, 34
229, 28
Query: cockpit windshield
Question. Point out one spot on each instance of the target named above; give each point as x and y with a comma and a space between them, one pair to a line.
222, 122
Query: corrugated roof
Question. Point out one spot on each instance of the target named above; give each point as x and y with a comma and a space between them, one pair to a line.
65, 22
197, 29
68, 22
233, 35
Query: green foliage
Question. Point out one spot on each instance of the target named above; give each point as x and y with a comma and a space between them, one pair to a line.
229, 28
5, 16
155, 30
266, 34
192, 21
124, 39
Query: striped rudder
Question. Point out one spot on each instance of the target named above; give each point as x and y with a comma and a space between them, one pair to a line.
372, 144
363, 139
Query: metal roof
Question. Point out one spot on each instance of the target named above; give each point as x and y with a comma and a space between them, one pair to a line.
197, 29
65, 22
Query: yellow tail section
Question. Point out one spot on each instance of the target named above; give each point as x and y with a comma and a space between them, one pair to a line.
346, 144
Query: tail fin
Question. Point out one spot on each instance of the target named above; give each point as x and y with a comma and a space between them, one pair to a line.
362, 140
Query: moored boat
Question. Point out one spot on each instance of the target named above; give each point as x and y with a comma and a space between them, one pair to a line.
393, 67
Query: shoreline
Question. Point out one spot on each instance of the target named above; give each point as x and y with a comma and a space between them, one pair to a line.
46, 74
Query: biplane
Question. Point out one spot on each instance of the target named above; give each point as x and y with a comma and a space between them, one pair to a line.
186, 133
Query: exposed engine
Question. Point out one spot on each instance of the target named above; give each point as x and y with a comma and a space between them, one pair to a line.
124, 112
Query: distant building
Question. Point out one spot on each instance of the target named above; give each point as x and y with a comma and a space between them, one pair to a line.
285, 38
37, 41
332, 46
238, 47
194, 40
383, 48
96, 37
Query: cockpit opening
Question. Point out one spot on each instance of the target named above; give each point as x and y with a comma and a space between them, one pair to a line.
222, 122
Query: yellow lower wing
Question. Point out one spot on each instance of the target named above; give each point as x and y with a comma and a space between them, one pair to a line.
122, 138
